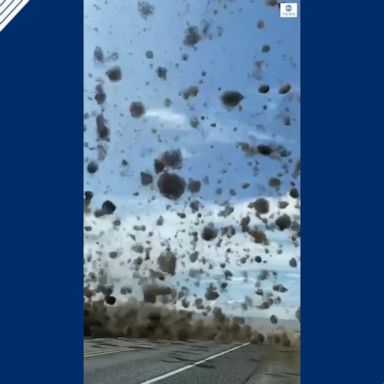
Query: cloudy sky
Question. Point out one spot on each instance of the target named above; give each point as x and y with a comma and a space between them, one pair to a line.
229, 56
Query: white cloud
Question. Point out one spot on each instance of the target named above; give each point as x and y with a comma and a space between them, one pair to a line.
168, 116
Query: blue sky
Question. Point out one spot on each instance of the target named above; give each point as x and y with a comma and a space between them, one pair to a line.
228, 57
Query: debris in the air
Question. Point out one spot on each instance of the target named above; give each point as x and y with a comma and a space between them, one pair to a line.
211, 293
199, 303
258, 235
137, 109
274, 182
185, 303
100, 95
88, 195
138, 248
287, 120
285, 88
263, 275
265, 48
167, 262
264, 88
244, 223
107, 208
111, 300
208, 194
172, 159
209, 232
103, 131
283, 222
145, 9
294, 193
194, 186
98, 55
279, 288
273, 319
92, 166
162, 72
195, 206
283, 204
293, 262
194, 122
149, 55
229, 231
151, 291
192, 36
167, 102
248, 149
272, 3
125, 290
265, 150
171, 185
114, 74
113, 254
146, 178
261, 206
257, 338
193, 256
159, 166
191, 91
228, 210
231, 98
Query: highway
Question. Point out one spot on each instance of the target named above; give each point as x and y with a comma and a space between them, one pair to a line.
140, 361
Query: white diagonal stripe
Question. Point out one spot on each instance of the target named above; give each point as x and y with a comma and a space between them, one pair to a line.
9, 9
186, 367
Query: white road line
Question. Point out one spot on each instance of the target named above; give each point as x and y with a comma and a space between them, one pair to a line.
101, 351
169, 374
107, 352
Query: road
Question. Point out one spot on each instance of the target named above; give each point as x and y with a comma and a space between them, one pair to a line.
136, 361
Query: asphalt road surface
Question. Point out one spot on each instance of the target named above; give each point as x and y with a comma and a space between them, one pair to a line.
136, 361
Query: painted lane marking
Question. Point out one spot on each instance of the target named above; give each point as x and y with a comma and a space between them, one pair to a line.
172, 373
107, 352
